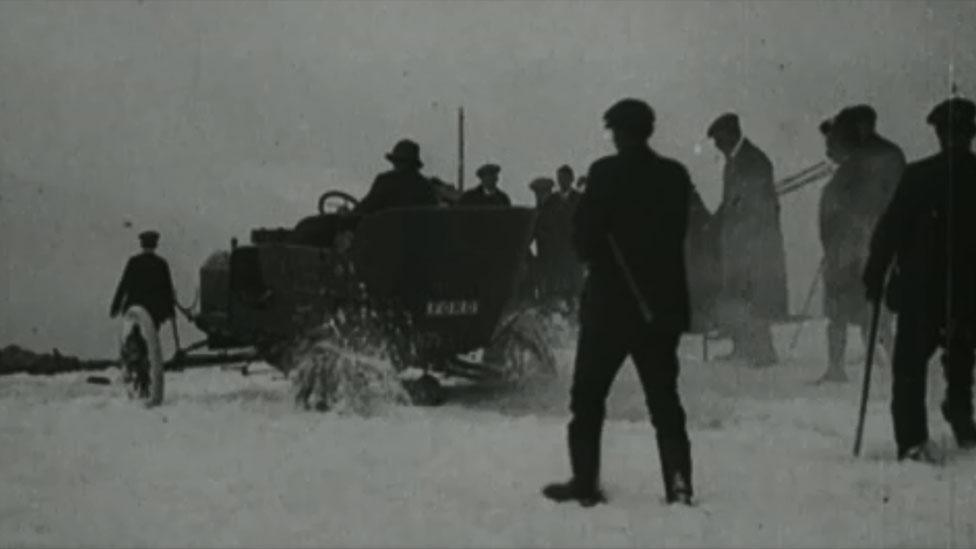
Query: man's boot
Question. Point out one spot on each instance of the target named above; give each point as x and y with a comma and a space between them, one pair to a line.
676, 471
965, 433
585, 495
923, 452
963, 427
584, 458
957, 408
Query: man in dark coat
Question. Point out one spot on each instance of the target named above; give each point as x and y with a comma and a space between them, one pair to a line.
565, 179
401, 187
546, 237
752, 257
629, 230
869, 168
487, 192
928, 232
567, 271
146, 282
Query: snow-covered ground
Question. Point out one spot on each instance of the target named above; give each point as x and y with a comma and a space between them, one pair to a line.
229, 462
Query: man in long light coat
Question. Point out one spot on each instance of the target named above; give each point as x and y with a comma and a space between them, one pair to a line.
751, 250
869, 168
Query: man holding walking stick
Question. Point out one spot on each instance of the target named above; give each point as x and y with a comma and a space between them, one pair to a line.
929, 233
630, 229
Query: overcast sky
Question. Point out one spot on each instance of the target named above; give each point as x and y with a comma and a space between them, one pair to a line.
205, 119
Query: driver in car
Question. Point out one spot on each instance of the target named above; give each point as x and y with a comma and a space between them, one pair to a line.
401, 187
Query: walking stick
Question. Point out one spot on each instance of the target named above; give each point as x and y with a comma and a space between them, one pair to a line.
631, 283
806, 304
866, 385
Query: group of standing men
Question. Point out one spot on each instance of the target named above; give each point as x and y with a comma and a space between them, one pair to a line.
629, 229
555, 273
748, 239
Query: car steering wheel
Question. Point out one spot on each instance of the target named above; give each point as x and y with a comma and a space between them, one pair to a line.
341, 202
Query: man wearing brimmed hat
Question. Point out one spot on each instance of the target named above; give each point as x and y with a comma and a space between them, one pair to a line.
630, 230
928, 234
868, 170
146, 296
401, 187
752, 255
487, 192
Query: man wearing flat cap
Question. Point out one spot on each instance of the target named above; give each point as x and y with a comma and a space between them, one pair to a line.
752, 257
869, 168
146, 282
629, 230
487, 192
145, 296
401, 187
927, 236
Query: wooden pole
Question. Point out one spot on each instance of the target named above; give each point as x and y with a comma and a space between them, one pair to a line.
805, 311
460, 177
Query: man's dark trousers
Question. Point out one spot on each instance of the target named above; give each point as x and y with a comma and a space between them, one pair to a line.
601, 351
915, 342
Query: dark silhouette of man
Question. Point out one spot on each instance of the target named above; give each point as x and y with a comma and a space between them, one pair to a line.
546, 237
401, 187
630, 229
869, 168
565, 179
566, 274
146, 282
928, 233
146, 299
487, 192
752, 256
